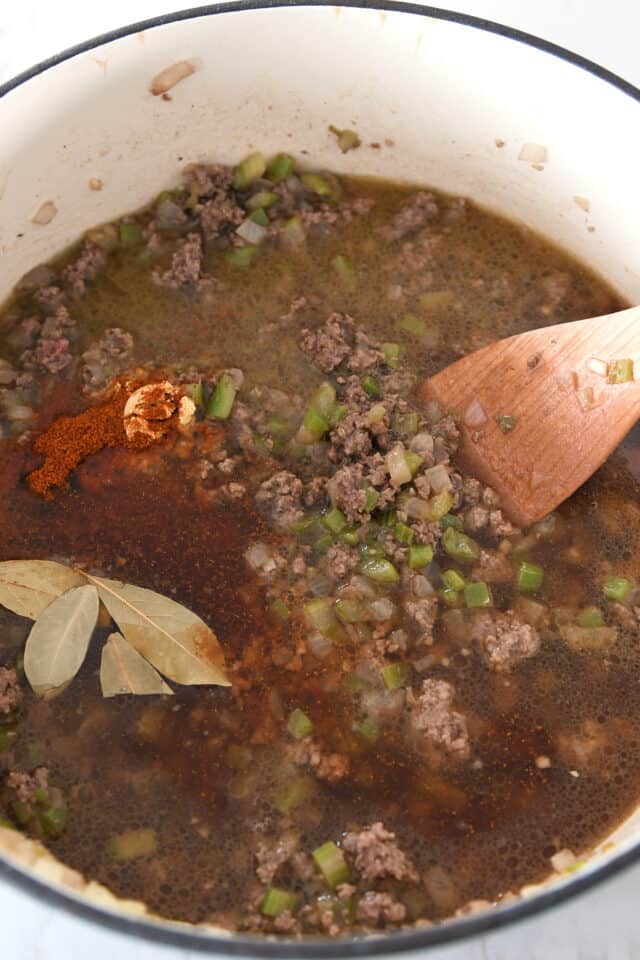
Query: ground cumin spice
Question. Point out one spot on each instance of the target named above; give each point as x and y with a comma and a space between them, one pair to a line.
69, 440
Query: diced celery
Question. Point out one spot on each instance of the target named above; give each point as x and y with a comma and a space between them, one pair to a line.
450, 520
250, 169
238, 757
377, 413
396, 675
8, 737
352, 611
414, 461
54, 820
299, 725
371, 386
337, 413
420, 555
133, 844
506, 422
405, 423
616, 588
477, 594
529, 576
411, 324
350, 537
280, 610
332, 865
276, 901
368, 729
323, 543
453, 598
130, 234
315, 424
380, 570
371, 501
451, 578
347, 139
440, 505
345, 270
241, 256
292, 793
391, 353
459, 546
262, 200
280, 166
403, 533
321, 615
196, 392
334, 520
323, 399
317, 184
222, 398
590, 617
260, 217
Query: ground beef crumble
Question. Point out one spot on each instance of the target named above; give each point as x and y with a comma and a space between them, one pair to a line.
433, 715
24, 785
504, 639
10, 690
376, 854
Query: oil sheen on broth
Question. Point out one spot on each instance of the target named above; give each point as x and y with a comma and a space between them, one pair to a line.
484, 760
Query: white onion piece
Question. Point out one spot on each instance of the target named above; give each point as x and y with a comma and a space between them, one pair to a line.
251, 232
417, 509
399, 471
319, 645
19, 412
394, 291
422, 444
533, 153
438, 477
433, 411
381, 609
422, 587
237, 376
45, 213
167, 78
562, 860
599, 367
257, 555
383, 704
474, 415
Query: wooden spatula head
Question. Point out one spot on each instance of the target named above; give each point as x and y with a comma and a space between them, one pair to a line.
565, 416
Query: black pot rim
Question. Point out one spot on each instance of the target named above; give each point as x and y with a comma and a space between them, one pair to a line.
452, 931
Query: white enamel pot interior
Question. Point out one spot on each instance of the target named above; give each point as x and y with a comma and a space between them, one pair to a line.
452, 104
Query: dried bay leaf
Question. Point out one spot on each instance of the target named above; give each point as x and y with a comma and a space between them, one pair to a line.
27, 587
124, 670
176, 641
58, 642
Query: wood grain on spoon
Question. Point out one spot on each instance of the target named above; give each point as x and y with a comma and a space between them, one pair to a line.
568, 416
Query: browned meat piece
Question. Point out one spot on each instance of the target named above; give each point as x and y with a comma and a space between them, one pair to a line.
476, 518
626, 617
186, 266
432, 714
315, 491
472, 490
340, 560
492, 566
346, 489
220, 213
52, 349
272, 854
376, 854
504, 640
331, 767
423, 612
110, 355
281, 496
10, 690
49, 298
84, 270
499, 526
331, 343
25, 784
379, 909
414, 214
350, 438
446, 431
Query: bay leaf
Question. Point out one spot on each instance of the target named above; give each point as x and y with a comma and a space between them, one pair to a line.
123, 670
27, 587
58, 641
176, 641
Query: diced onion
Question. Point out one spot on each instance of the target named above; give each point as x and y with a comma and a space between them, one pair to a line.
562, 860
422, 587
474, 415
257, 555
251, 232
433, 411
399, 471
533, 153
45, 213
167, 78
422, 443
319, 645
417, 509
438, 477
381, 609
599, 367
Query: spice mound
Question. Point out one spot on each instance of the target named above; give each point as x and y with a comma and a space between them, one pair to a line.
134, 417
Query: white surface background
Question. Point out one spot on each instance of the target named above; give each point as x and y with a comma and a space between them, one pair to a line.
601, 925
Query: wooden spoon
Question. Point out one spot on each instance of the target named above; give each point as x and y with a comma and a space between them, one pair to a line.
566, 416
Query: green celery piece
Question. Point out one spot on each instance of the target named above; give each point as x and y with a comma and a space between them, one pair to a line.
459, 546
250, 169
133, 844
260, 217
130, 234
408, 323
396, 675
477, 594
279, 609
299, 725
334, 520
621, 371
403, 533
332, 865
280, 167
420, 555
222, 398
391, 353
616, 588
241, 256
451, 578
379, 570
371, 386
352, 611
590, 617
262, 200
529, 576
276, 901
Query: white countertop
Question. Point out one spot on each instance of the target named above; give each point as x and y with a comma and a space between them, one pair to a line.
603, 924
